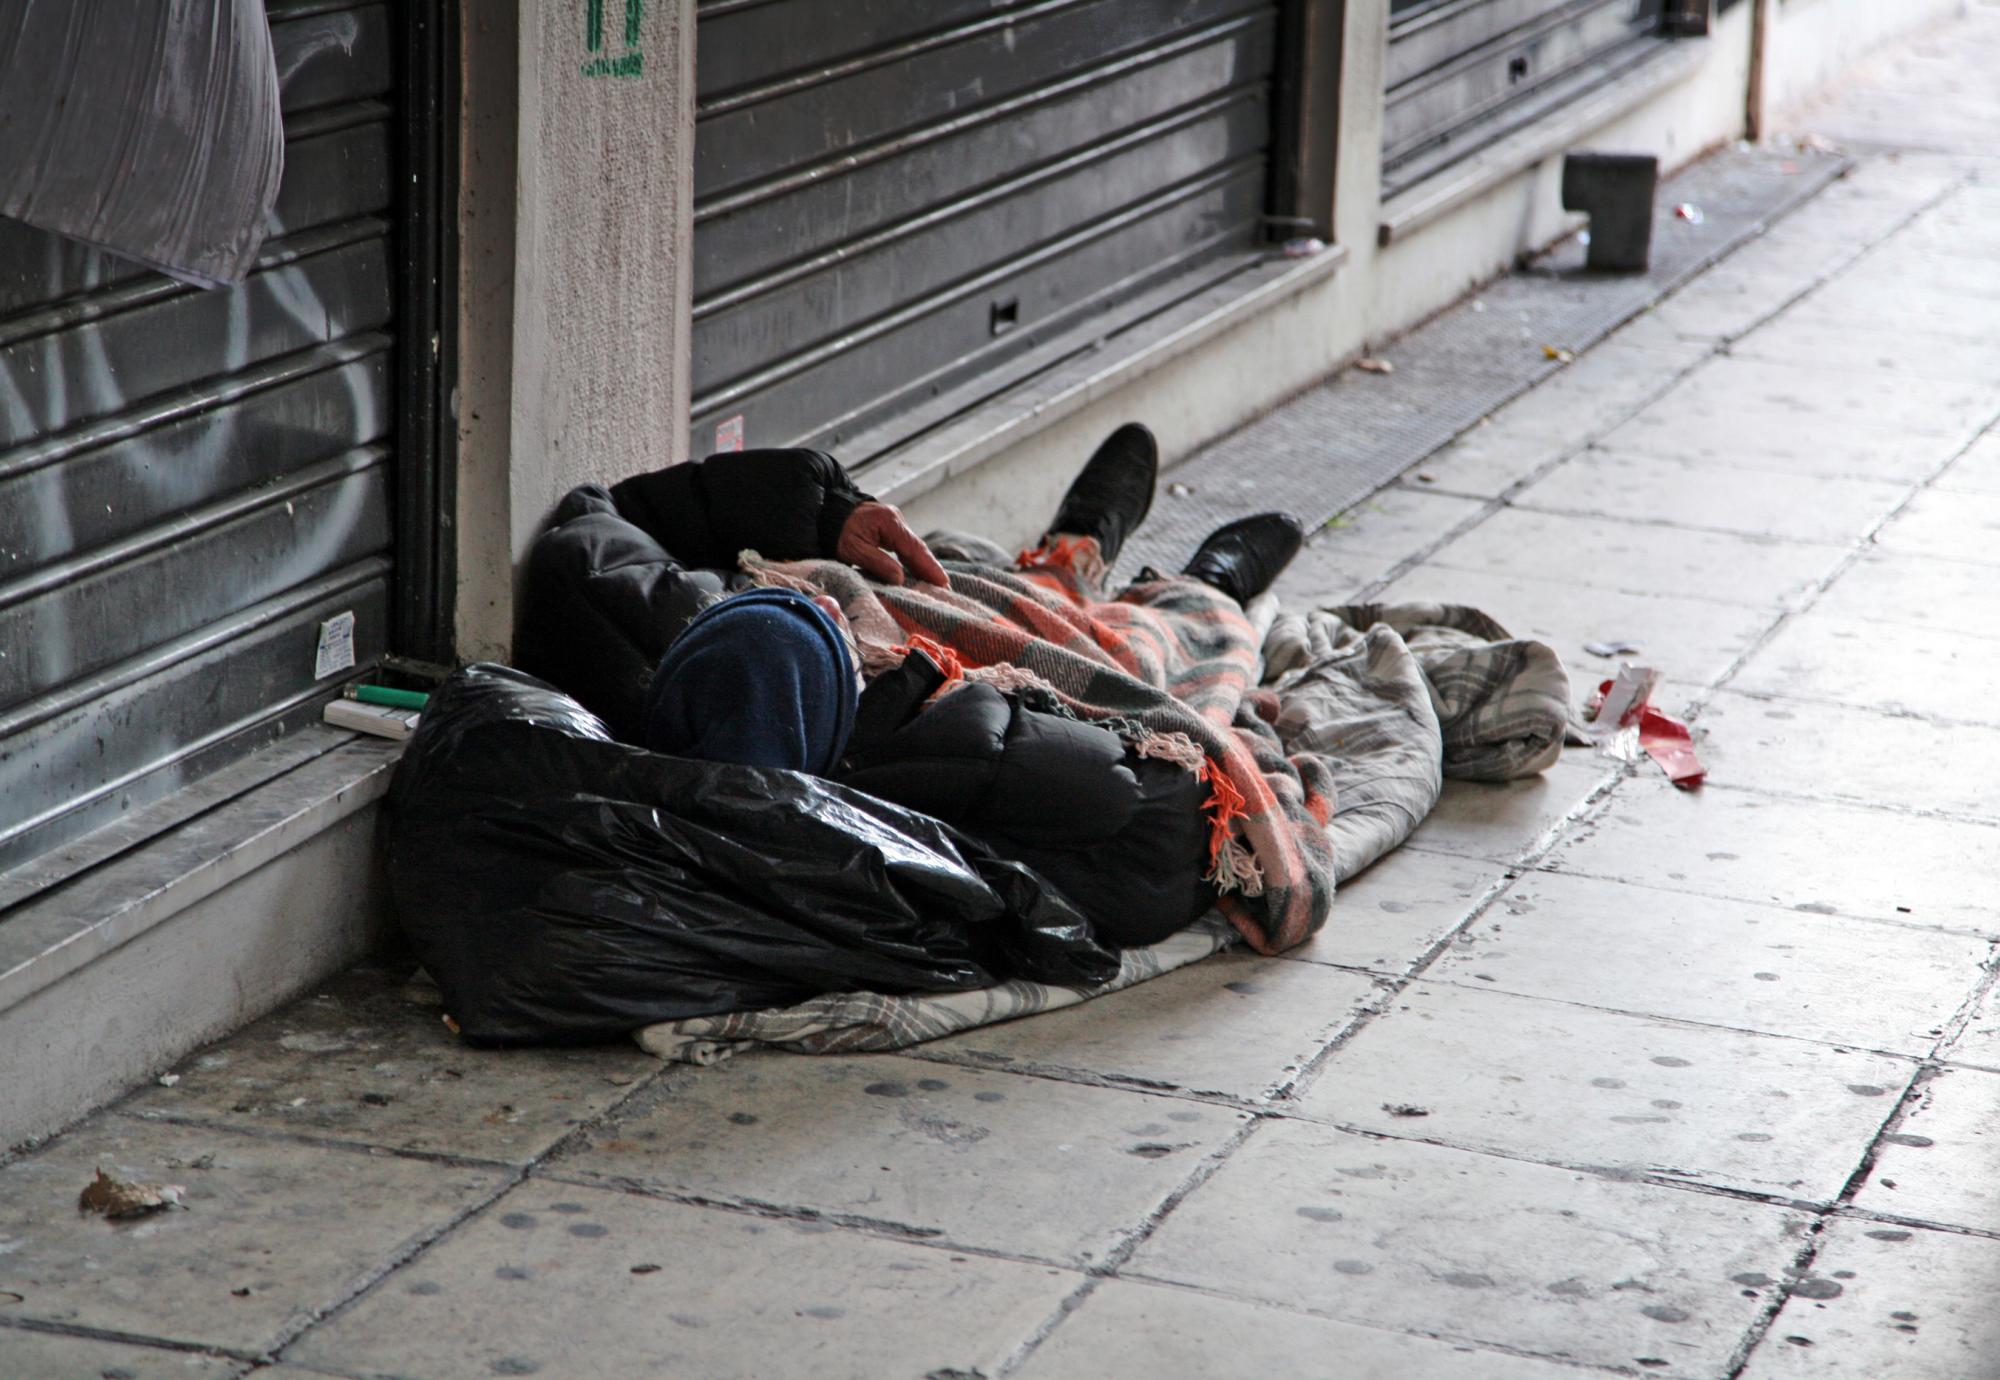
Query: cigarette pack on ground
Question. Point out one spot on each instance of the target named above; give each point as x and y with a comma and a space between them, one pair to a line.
384, 721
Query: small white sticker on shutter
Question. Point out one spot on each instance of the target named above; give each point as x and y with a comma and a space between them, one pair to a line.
336, 646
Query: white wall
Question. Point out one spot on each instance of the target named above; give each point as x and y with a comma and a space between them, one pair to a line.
1813, 41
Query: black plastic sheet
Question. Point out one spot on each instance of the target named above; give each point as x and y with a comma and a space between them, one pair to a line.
561, 886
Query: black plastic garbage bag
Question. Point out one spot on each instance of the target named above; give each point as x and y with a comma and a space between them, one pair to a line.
561, 886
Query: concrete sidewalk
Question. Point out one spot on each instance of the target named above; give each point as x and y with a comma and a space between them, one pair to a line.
1594, 1076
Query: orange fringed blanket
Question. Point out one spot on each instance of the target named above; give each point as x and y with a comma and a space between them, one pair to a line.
1171, 664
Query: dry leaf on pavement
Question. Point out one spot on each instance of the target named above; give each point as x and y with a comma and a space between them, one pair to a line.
122, 1198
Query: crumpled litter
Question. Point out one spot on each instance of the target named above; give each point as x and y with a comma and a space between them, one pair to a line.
1625, 725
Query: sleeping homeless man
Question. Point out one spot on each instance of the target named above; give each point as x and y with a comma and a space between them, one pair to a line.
757, 608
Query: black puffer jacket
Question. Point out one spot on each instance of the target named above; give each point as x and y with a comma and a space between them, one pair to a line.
603, 595
1122, 836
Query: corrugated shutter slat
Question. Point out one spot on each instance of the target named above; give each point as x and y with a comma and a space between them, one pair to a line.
896, 195
190, 482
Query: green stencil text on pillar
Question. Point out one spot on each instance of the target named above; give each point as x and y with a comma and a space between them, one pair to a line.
630, 62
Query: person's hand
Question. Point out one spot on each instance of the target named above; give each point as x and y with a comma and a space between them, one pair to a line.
876, 539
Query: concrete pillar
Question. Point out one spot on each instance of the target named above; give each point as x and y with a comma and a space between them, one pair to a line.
1757, 106
1357, 177
576, 217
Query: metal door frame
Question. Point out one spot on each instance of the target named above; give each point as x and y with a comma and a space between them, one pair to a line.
424, 584
1305, 106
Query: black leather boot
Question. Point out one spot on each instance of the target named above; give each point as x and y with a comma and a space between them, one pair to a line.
1243, 557
1114, 493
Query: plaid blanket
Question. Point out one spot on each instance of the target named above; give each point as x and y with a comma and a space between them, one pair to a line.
861, 1022
1496, 695
1395, 697
1171, 664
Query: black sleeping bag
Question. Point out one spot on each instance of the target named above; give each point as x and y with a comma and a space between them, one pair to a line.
565, 887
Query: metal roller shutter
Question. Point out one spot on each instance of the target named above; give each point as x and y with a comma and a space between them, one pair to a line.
1463, 74
893, 195
190, 482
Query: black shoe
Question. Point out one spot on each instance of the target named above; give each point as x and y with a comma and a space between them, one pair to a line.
1243, 557
1114, 493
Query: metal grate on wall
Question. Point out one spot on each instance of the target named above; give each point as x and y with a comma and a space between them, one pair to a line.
1461, 75
892, 196
192, 482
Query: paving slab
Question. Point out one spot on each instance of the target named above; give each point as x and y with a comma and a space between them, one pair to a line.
1938, 1164
553, 1281
1813, 856
1978, 1044
1978, 470
1800, 391
1492, 457
45, 1356
274, 1232
1965, 217
1470, 1247
1730, 300
1950, 596
1567, 1084
1884, 306
1725, 963
1503, 821
1877, 194
1692, 640
1960, 222
1950, 248
1927, 274
1814, 249
1903, 670
1600, 389
1699, 494
1031, 1166
1640, 556
1799, 443
1907, 179
1889, 1301
1234, 1024
1936, 327
1953, 240
1388, 918
368, 1060
1647, 331
1128, 1331
1794, 747
1325, 573
1838, 346
1398, 523
1955, 526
